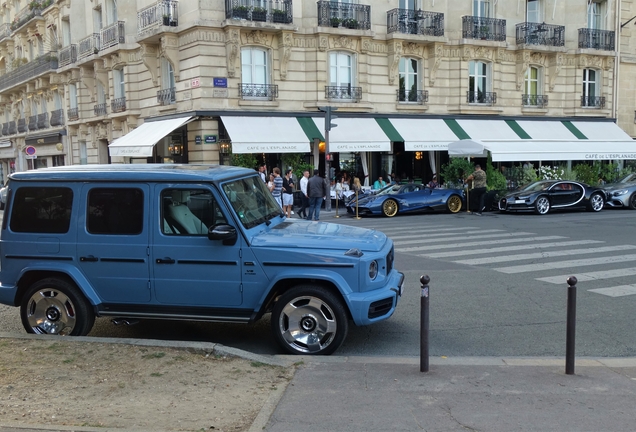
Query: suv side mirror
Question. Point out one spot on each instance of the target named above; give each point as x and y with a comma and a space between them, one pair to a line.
224, 232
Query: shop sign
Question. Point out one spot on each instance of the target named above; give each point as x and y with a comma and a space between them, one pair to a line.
209, 139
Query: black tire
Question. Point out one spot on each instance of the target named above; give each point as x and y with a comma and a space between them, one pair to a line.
56, 306
308, 313
542, 205
596, 203
390, 208
632, 201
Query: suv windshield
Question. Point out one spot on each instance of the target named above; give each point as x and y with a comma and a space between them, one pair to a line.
251, 201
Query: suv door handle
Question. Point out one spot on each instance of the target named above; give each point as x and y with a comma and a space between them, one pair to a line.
165, 261
89, 258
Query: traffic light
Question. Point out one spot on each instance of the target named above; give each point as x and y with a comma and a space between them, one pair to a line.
329, 116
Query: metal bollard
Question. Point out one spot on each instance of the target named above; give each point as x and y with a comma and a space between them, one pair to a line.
357, 216
336, 216
571, 327
424, 323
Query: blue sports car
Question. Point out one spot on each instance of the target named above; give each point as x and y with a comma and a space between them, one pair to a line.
395, 199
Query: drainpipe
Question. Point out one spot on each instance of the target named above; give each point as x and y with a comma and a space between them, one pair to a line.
617, 61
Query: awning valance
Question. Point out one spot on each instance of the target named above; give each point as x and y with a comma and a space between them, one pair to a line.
141, 141
356, 135
266, 134
424, 134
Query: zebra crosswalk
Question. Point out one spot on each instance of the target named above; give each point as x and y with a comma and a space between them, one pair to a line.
527, 252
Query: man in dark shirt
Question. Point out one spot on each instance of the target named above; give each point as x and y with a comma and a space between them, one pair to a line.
479, 186
316, 190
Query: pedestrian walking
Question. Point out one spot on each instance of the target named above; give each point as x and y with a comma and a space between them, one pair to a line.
479, 186
317, 191
288, 193
304, 197
277, 192
261, 172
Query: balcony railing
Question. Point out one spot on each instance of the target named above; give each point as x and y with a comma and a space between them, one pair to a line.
531, 33
5, 31
418, 22
68, 55
13, 128
273, 11
22, 125
346, 15
88, 46
24, 16
258, 91
479, 97
43, 120
112, 35
33, 122
596, 39
73, 114
164, 12
5, 128
57, 117
535, 101
491, 29
118, 105
32, 69
167, 96
593, 101
343, 92
101, 109
412, 96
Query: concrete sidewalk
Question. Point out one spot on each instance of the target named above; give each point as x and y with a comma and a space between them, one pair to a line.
462, 394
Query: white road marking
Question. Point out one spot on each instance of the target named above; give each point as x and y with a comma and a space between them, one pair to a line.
426, 239
566, 264
428, 236
617, 291
591, 276
477, 243
509, 248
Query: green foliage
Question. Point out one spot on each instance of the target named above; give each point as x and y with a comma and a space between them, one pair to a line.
586, 173
495, 180
297, 162
456, 169
246, 160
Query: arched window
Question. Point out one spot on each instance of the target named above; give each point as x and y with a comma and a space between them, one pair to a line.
479, 83
167, 94
409, 90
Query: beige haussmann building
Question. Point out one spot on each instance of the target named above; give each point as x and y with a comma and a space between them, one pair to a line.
112, 81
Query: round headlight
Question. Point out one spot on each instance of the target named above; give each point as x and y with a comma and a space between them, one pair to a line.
373, 269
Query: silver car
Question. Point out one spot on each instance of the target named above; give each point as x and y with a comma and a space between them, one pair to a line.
622, 193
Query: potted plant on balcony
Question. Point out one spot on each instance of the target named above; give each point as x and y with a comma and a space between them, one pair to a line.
35, 5
335, 22
166, 19
259, 14
240, 12
173, 22
350, 23
279, 16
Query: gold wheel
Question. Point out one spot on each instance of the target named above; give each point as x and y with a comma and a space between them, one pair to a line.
454, 204
389, 208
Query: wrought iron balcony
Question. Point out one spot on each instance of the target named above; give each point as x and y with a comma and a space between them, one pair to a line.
593, 101
343, 92
24, 16
346, 15
274, 11
538, 101
531, 33
596, 39
112, 35
68, 55
57, 117
479, 97
13, 128
28, 71
73, 114
418, 22
491, 29
22, 125
33, 122
5, 31
412, 96
100, 109
258, 91
163, 12
5, 128
88, 46
167, 96
118, 105
43, 121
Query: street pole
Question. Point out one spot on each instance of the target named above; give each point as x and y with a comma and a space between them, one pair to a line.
327, 166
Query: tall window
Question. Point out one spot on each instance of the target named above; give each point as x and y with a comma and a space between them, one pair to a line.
57, 100
101, 94
409, 80
111, 11
72, 96
531, 86
533, 11
595, 14
118, 83
408, 4
83, 153
254, 66
591, 88
97, 20
34, 107
43, 106
482, 8
478, 82
340, 69
167, 74
66, 32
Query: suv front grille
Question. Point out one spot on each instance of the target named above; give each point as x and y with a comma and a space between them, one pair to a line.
380, 308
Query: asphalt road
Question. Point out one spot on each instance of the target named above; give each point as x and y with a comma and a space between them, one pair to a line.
498, 288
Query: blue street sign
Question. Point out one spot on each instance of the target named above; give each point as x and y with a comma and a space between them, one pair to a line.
220, 82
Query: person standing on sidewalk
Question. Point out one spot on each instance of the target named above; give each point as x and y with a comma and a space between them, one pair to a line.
288, 193
479, 186
316, 190
277, 192
304, 197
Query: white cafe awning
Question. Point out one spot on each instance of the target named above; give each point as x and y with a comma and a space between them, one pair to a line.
266, 134
355, 135
140, 141
424, 134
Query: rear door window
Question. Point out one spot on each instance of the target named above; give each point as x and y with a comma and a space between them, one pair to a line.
115, 211
42, 210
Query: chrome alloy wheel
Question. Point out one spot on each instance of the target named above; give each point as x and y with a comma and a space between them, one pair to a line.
597, 202
307, 324
50, 311
454, 204
542, 205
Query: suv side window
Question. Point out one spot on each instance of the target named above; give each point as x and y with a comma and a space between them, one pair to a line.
115, 211
189, 211
42, 210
